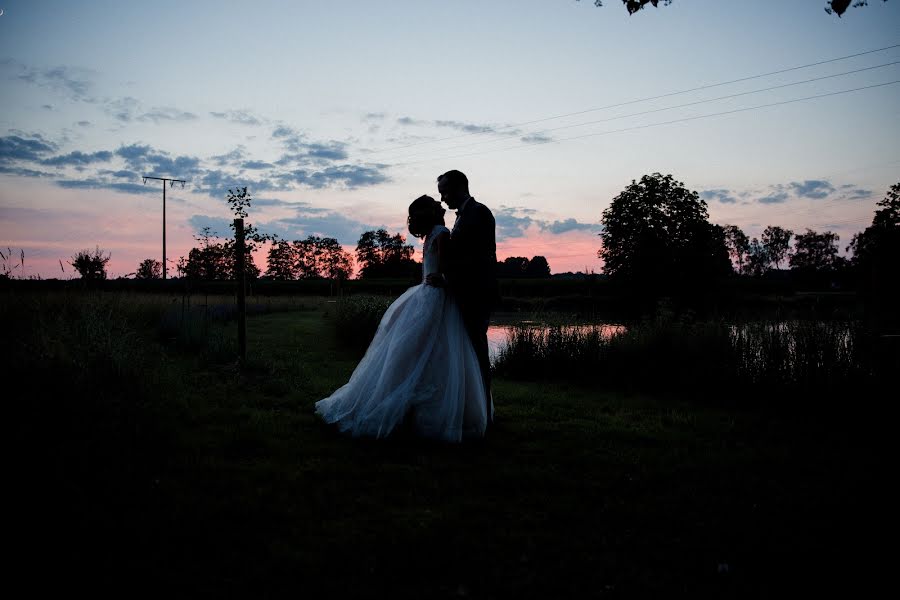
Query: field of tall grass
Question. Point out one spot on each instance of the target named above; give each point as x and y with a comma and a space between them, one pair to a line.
146, 456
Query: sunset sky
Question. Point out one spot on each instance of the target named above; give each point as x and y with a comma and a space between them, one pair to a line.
336, 115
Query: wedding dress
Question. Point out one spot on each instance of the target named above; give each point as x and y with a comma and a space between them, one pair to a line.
420, 367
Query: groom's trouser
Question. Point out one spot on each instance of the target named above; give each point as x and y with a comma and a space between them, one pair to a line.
476, 323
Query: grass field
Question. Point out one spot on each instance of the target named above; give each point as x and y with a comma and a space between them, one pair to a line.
145, 464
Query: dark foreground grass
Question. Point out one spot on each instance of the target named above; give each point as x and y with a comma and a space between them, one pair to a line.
185, 474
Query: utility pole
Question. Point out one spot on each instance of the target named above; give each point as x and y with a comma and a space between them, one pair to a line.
172, 182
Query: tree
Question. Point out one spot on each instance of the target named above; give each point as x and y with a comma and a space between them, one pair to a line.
216, 260
333, 261
91, 264
280, 261
831, 6
512, 267
656, 234
209, 262
738, 245
875, 250
380, 254
149, 268
777, 242
538, 268
816, 252
757, 258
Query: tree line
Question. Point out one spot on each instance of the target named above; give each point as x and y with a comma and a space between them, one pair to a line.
656, 237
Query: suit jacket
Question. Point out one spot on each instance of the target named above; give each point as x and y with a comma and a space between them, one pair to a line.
472, 260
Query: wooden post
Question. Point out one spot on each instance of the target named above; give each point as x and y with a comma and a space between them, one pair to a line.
241, 290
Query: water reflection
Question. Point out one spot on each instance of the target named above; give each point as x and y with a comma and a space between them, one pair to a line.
498, 335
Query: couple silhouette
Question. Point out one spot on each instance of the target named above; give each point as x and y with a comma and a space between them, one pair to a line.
427, 368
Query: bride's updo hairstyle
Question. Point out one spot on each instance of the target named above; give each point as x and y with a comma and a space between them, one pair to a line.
424, 213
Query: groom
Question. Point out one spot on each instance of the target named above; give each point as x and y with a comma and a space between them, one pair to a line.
471, 271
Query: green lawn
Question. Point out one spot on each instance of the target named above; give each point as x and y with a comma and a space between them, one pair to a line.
208, 481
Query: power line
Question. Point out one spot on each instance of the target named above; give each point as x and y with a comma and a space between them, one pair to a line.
656, 110
638, 100
637, 127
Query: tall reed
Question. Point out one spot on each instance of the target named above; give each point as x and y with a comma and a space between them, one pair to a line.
702, 357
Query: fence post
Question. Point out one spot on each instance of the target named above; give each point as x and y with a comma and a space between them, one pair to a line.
241, 289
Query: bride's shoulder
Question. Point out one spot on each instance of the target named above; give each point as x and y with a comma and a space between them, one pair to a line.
438, 230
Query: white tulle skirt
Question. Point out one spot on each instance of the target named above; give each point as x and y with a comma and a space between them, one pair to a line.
421, 367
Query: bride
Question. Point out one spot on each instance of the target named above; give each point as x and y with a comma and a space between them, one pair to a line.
421, 367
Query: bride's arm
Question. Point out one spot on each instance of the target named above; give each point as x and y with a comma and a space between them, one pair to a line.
441, 246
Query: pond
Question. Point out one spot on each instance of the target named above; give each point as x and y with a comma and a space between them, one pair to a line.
498, 335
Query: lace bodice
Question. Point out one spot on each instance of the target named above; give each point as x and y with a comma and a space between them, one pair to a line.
429, 253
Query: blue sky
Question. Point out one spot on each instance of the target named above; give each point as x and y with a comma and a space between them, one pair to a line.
337, 115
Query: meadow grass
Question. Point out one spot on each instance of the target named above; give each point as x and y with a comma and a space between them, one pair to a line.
145, 463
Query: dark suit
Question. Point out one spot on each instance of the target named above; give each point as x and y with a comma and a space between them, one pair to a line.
472, 277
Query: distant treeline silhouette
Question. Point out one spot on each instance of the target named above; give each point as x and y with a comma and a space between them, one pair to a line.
656, 239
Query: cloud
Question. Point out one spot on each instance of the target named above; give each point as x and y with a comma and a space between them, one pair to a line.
302, 152
216, 183
73, 82
23, 172
256, 164
98, 183
299, 206
291, 138
231, 158
346, 176
122, 109
558, 227
242, 117
536, 138
305, 223
30, 148
374, 116
128, 109
812, 188
83, 123
514, 221
147, 161
511, 222
774, 198
218, 226
166, 113
77, 158
858, 194
722, 195
466, 127
344, 229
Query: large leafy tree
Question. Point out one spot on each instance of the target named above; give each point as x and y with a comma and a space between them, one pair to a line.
312, 258
738, 246
280, 261
91, 264
875, 251
380, 254
757, 258
515, 267
816, 252
150, 268
656, 234
777, 242
538, 268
